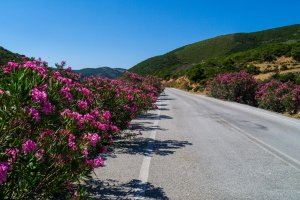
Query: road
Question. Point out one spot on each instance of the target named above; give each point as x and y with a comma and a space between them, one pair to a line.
196, 147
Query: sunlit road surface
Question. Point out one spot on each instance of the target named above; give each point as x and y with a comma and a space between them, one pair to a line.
196, 147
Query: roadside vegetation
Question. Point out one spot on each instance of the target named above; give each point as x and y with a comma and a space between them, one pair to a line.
55, 127
243, 88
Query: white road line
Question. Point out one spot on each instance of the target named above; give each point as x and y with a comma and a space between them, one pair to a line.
266, 147
144, 172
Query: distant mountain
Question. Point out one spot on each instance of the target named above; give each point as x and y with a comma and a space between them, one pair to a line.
216, 48
6, 56
107, 72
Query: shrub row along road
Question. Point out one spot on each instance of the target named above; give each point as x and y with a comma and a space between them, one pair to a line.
196, 147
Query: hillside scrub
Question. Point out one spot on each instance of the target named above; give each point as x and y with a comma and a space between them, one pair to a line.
226, 50
55, 128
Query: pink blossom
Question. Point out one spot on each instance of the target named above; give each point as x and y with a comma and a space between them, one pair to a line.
40, 154
29, 146
98, 162
34, 114
38, 95
106, 115
13, 152
93, 138
85, 152
46, 132
72, 143
82, 105
66, 92
114, 128
4, 167
85, 91
47, 108
1, 91
88, 117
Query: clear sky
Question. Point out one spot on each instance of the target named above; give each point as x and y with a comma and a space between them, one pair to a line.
121, 33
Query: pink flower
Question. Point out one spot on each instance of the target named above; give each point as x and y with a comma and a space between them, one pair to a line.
38, 95
85, 91
4, 167
1, 91
106, 115
28, 146
47, 108
130, 97
98, 162
46, 132
34, 114
66, 92
72, 143
40, 154
85, 152
88, 117
95, 163
13, 152
114, 128
82, 105
93, 138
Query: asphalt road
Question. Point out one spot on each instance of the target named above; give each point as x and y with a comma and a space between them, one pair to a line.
196, 147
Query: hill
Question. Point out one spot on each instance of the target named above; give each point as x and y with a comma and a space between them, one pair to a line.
216, 48
6, 56
101, 71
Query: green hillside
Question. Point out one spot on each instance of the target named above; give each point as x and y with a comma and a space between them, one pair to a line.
101, 71
6, 56
215, 48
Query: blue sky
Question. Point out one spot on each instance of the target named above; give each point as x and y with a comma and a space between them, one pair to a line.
121, 33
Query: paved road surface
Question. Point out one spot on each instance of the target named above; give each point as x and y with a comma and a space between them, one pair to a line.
195, 147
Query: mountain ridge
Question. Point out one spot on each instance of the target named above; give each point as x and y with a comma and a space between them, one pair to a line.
104, 71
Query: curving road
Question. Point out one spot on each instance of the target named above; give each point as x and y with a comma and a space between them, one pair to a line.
196, 147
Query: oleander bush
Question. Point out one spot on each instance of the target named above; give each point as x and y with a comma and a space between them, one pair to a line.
242, 87
279, 97
54, 128
234, 86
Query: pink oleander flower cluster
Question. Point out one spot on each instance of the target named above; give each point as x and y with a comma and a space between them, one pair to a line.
278, 96
4, 167
234, 86
28, 147
242, 87
55, 126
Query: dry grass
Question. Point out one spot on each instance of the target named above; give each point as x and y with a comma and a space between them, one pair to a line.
269, 68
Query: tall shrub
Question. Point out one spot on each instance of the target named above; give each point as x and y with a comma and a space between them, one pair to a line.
234, 86
278, 96
55, 128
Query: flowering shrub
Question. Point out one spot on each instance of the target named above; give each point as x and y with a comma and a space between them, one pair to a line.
242, 87
278, 96
54, 127
234, 86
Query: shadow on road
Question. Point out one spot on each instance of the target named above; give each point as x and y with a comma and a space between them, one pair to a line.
164, 96
152, 116
112, 189
137, 146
